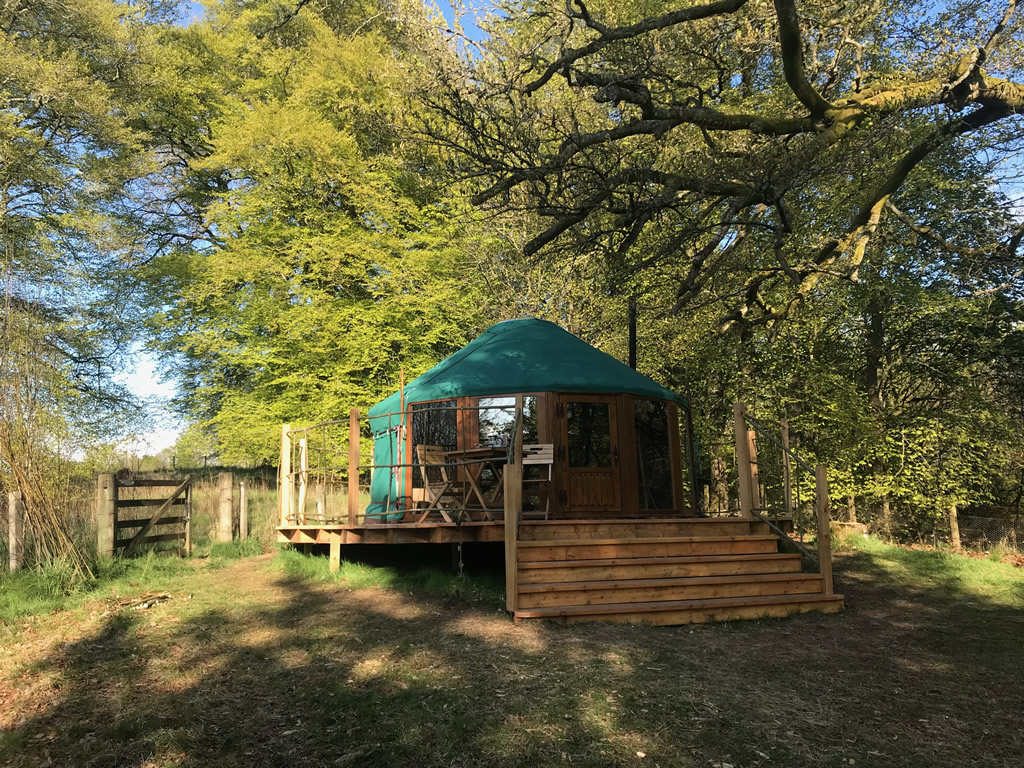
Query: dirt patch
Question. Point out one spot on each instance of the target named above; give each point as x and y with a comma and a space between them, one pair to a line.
261, 670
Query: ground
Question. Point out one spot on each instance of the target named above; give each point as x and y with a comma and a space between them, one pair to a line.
248, 665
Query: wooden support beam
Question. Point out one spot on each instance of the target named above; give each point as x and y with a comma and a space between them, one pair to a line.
513, 478
300, 511
225, 506
106, 514
15, 530
823, 507
167, 505
284, 475
353, 465
744, 479
187, 543
755, 477
243, 511
335, 551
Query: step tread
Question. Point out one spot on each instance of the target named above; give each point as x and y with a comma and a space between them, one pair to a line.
671, 560
674, 605
678, 581
644, 540
635, 520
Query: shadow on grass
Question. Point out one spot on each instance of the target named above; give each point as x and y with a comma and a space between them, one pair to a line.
264, 668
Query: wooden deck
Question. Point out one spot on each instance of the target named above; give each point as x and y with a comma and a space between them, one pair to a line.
392, 533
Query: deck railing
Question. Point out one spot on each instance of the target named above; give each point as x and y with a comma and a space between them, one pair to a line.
773, 496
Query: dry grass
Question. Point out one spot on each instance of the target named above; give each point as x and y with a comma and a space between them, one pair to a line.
264, 669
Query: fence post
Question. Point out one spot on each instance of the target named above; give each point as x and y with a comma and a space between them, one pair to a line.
106, 514
225, 483
353, 465
513, 503
16, 529
284, 479
243, 511
744, 477
954, 527
823, 508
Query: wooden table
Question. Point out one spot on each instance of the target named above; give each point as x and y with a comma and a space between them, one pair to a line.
480, 457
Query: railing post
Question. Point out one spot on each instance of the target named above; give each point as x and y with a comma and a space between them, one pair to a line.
353, 465
300, 510
284, 480
787, 469
513, 503
755, 477
243, 511
16, 529
225, 504
823, 508
743, 470
106, 499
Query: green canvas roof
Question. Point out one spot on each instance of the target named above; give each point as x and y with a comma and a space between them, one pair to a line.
527, 355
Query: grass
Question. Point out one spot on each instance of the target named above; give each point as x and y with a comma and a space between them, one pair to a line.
275, 661
427, 581
984, 579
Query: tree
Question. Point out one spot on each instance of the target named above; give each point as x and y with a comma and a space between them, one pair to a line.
742, 149
332, 260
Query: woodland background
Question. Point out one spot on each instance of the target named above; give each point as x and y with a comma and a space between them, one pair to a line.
813, 207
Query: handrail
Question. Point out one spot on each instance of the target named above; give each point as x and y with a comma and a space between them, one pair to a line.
762, 431
787, 537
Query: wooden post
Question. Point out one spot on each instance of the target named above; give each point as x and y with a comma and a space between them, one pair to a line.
225, 483
16, 529
353, 465
743, 473
243, 511
823, 508
106, 513
335, 550
300, 510
954, 527
188, 521
787, 469
284, 477
755, 477
513, 505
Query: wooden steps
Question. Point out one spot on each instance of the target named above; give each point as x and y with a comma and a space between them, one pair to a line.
655, 567
668, 546
659, 571
654, 590
689, 611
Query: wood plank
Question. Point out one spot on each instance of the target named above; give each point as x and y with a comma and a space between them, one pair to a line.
612, 529
125, 503
656, 590
152, 539
142, 521
656, 568
150, 482
584, 549
682, 607
707, 615
513, 479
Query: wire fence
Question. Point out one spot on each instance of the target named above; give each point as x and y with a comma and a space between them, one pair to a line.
985, 533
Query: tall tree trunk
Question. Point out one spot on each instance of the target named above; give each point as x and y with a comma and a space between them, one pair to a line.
851, 508
874, 380
632, 332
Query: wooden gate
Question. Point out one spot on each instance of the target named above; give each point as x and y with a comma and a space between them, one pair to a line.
127, 520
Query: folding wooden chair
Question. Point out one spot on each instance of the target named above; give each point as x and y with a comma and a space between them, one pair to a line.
540, 454
431, 457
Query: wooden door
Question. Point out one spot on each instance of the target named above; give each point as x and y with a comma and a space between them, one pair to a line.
589, 455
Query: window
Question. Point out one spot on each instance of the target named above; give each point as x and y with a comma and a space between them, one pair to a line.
653, 454
588, 426
497, 417
433, 424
